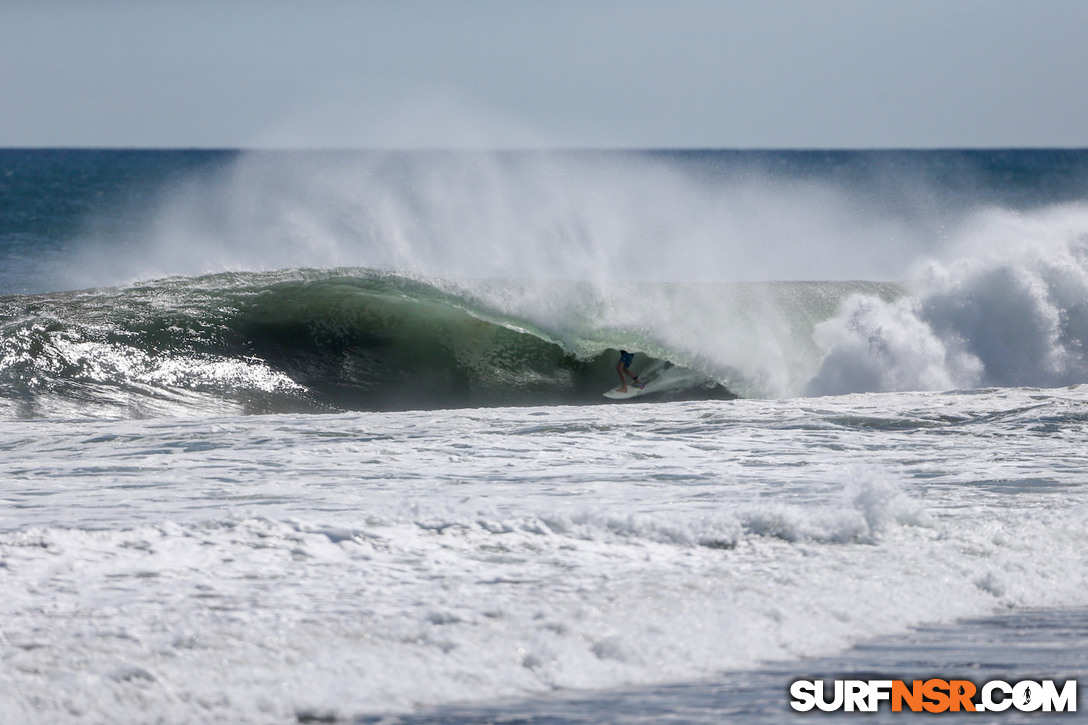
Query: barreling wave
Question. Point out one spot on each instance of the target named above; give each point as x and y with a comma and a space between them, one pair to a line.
1007, 309
296, 341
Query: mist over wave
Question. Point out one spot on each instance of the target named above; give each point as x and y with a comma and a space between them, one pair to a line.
598, 217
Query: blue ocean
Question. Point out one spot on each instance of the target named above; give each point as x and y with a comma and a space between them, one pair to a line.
321, 436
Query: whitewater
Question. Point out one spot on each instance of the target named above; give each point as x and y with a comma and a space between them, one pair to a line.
320, 436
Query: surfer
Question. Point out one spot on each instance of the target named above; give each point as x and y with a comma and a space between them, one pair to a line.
623, 367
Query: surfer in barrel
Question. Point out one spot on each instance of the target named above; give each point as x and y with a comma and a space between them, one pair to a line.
623, 367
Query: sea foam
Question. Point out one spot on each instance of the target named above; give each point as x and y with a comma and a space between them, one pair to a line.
1005, 307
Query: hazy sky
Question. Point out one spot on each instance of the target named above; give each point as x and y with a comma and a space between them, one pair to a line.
516, 73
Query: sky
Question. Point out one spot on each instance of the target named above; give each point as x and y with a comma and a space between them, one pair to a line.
544, 74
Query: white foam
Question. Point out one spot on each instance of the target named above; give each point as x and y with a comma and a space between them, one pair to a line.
1005, 306
254, 568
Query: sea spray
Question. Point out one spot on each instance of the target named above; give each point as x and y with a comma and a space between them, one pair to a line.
586, 216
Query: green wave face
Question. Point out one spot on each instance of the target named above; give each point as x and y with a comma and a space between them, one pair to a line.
380, 343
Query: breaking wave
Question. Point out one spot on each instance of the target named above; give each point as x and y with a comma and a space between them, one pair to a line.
1013, 314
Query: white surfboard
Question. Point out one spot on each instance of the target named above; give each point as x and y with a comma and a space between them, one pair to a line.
631, 392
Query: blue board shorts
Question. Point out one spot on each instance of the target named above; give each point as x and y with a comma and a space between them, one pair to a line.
627, 358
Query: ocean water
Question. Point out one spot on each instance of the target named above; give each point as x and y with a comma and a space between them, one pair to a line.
320, 436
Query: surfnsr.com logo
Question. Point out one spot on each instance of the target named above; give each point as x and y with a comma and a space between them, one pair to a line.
933, 695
